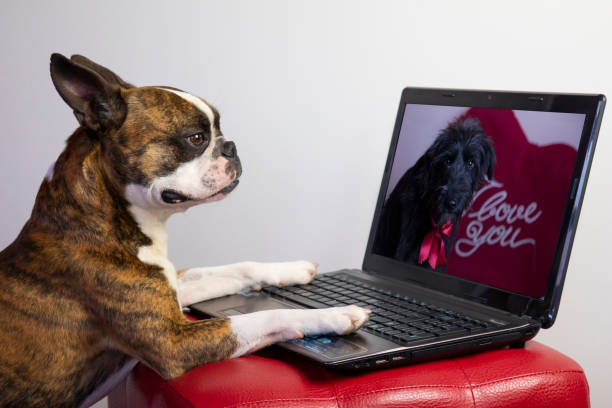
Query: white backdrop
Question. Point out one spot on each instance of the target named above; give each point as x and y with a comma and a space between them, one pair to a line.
308, 91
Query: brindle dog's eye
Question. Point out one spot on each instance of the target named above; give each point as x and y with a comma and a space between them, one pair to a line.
448, 162
196, 140
470, 164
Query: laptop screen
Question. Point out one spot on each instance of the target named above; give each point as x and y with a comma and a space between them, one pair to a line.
480, 193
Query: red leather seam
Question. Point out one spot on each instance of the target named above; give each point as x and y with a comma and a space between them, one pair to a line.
456, 386
401, 388
174, 390
255, 403
531, 375
468, 382
333, 385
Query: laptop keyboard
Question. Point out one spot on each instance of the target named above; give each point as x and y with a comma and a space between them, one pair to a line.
400, 318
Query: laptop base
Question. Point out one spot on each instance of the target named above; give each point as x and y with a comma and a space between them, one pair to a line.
365, 350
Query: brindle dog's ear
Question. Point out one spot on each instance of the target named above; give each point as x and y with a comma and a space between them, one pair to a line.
96, 101
104, 72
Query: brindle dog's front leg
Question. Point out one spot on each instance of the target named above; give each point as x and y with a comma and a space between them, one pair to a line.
151, 328
199, 284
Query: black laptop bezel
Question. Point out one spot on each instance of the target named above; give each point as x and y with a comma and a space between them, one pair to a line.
544, 310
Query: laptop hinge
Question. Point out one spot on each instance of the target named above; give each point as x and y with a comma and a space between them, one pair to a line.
526, 307
541, 320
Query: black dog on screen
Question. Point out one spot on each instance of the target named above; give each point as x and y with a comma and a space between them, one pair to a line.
419, 219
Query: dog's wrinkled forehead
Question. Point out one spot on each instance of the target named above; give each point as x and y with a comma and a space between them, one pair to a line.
211, 113
153, 140
170, 110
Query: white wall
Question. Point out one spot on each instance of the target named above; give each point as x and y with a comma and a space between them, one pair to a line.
309, 90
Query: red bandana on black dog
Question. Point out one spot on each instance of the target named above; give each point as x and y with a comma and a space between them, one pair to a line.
432, 248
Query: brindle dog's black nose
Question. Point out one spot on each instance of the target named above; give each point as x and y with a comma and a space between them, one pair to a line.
229, 150
452, 203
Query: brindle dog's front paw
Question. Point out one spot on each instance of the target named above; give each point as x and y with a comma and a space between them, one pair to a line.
349, 318
333, 320
287, 273
263, 328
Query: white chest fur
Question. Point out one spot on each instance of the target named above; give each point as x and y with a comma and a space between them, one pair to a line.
154, 227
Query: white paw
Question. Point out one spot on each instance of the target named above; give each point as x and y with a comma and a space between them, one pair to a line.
256, 330
337, 320
286, 273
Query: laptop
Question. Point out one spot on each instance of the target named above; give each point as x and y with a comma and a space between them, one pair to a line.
471, 234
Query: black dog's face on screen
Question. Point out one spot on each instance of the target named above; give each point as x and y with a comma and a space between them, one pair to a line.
455, 166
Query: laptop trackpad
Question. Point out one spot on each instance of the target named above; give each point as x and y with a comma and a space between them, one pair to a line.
332, 347
236, 305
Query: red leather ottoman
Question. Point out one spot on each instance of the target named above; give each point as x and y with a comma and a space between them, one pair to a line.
533, 377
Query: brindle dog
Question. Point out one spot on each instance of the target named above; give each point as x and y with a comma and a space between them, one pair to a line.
87, 284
